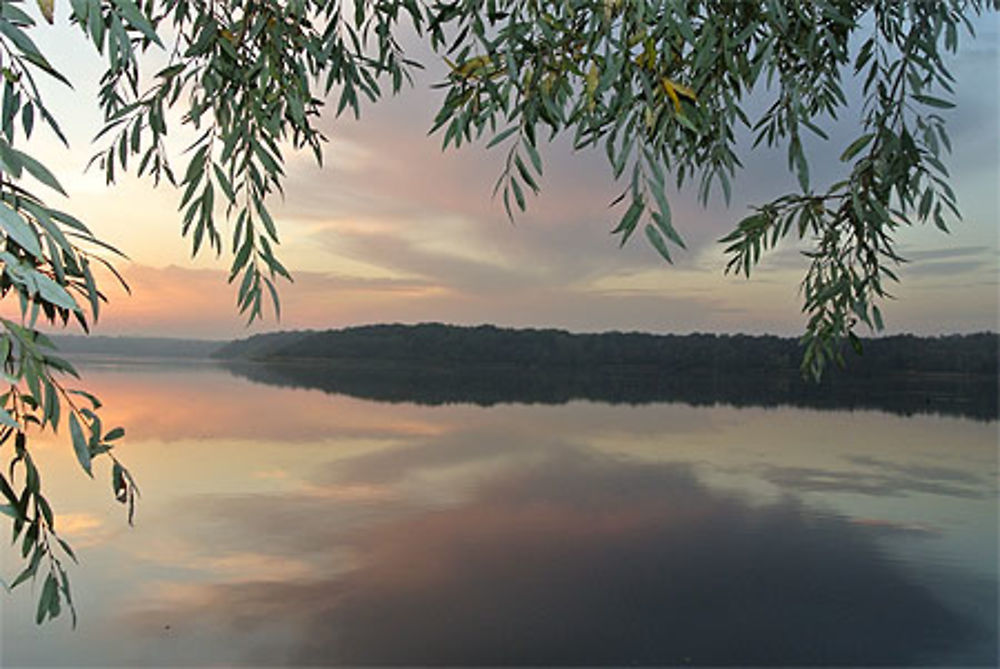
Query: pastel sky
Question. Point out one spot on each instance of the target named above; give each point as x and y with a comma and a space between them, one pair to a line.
394, 230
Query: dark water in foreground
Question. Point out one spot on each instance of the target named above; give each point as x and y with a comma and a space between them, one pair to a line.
285, 526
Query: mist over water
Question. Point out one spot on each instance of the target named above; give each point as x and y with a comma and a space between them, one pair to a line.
291, 526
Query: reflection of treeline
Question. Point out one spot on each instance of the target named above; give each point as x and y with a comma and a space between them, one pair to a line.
972, 396
436, 364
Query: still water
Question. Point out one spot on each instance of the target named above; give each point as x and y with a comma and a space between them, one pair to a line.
283, 526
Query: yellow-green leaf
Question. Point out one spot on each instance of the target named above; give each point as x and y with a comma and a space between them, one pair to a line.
47, 7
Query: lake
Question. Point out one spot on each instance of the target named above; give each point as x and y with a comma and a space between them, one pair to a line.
292, 526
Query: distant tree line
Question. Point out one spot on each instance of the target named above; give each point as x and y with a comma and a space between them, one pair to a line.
443, 364
439, 344
139, 347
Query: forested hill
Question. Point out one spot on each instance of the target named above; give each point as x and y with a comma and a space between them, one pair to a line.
486, 345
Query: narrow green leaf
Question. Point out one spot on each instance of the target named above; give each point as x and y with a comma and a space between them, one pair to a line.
856, 146
95, 403
855, 343
80, 445
628, 221
877, 317
53, 293
69, 551
932, 101
43, 505
15, 227
39, 171
49, 591
502, 136
654, 237
536, 160
27, 573
137, 20
265, 216
522, 169
8, 492
518, 193
20, 39
664, 219
28, 119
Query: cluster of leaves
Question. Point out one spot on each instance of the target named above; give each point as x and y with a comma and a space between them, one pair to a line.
36, 397
46, 257
896, 177
252, 78
664, 87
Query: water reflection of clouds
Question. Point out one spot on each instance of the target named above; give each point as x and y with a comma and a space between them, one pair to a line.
926, 473
883, 527
328, 529
485, 445
881, 478
573, 559
180, 403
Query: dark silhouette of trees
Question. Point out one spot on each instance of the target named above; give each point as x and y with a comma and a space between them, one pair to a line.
434, 363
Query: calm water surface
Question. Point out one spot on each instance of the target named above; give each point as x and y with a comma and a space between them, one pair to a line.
291, 527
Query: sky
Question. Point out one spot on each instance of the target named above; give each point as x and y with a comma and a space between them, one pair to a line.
392, 229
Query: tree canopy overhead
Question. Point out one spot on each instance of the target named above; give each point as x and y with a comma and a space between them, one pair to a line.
662, 87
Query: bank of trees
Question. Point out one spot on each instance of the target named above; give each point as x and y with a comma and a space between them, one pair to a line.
437, 344
485, 365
